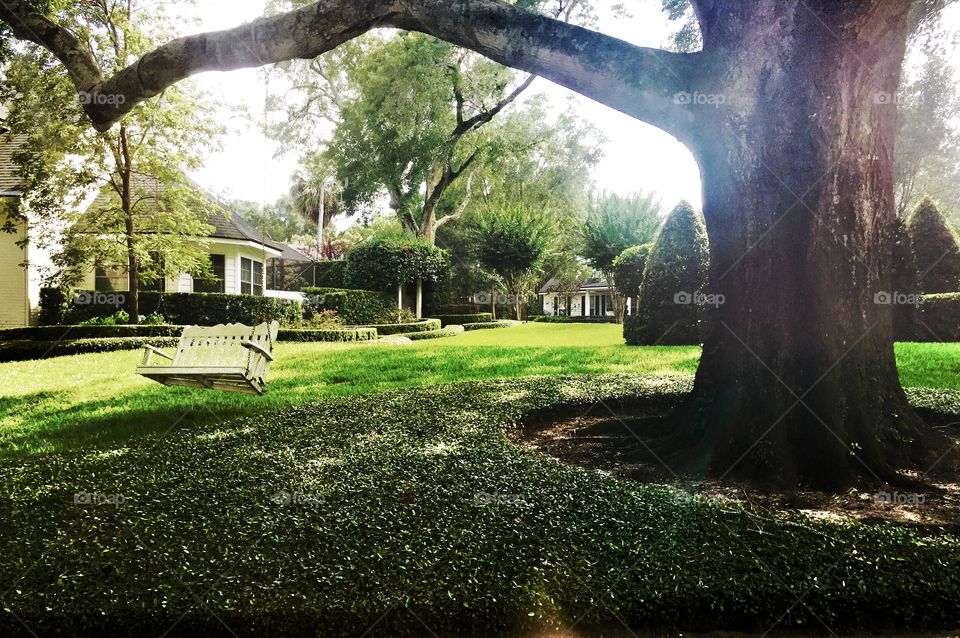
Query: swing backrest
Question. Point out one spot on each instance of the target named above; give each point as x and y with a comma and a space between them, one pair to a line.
221, 346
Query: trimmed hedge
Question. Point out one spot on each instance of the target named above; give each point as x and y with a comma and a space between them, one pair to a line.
450, 331
354, 307
939, 317
330, 274
56, 333
423, 325
487, 325
551, 319
30, 350
309, 335
189, 308
460, 319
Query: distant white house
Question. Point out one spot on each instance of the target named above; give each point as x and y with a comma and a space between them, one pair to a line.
590, 298
238, 255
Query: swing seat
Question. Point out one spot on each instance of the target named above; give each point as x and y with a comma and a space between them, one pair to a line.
232, 357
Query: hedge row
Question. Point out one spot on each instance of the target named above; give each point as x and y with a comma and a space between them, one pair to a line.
346, 335
354, 307
460, 319
423, 325
29, 350
57, 333
940, 317
486, 325
449, 331
185, 308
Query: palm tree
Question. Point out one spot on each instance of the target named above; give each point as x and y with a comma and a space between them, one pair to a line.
315, 194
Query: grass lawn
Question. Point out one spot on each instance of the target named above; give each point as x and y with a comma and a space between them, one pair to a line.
66, 402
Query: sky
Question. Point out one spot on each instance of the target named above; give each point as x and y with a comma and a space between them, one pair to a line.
637, 156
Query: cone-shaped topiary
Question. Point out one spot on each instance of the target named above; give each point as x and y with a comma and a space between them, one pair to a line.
672, 303
905, 283
935, 248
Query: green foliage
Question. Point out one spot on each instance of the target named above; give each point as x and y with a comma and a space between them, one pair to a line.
628, 269
54, 333
939, 318
54, 304
326, 335
448, 331
36, 349
423, 325
460, 319
330, 274
616, 223
354, 307
278, 220
672, 304
421, 486
905, 281
384, 262
488, 325
205, 309
935, 247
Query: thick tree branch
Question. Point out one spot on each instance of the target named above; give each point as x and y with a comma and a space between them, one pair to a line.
638, 81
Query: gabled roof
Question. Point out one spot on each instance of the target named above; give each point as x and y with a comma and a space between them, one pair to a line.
554, 285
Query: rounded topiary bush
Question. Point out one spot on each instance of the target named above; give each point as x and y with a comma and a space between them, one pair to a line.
384, 263
935, 248
628, 269
672, 301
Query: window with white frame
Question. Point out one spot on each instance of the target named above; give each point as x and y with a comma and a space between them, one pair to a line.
251, 277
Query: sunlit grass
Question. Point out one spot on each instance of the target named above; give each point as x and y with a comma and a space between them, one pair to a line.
97, 399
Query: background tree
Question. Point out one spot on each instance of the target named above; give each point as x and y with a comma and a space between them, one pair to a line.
779, 109
278, 220
671, 306
628, 270
150, 220
615, 224
935, 247
314, 194
927, 160
513, 243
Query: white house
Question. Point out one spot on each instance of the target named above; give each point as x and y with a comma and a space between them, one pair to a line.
238, 255
590, 298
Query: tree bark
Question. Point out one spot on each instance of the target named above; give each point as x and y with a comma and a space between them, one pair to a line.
798, 381
126, 203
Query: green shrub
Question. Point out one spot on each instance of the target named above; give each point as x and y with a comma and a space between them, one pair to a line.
672, 303
423, 325
487, 325
54, 305
460, 319
354, 307
939, 318
905, 280
328, 335
449, 331
330, 274
628, 269
28, 350
57, 333
194, 308
935, 247
386, 262
551, 319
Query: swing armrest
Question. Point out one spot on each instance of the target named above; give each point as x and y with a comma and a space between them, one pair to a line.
149, 350
258, 348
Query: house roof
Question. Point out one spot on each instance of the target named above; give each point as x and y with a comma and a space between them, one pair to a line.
9, 180
554, 285
290, 253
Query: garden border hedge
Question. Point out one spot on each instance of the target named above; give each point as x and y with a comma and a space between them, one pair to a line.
34, 350
354, 307
421, 325
346, 335
460, 319
450, 331
939, 317
58, 333
488, 325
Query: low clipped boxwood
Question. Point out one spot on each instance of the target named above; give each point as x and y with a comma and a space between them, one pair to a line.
387, 329
487, 325
450, 331
354, 307
460, 319
345, 335
55, 333
939, 317
29, 350
551, 319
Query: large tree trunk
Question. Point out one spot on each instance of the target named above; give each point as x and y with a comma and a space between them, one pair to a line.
798, 381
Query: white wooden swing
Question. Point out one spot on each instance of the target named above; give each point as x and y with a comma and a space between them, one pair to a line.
231, 357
